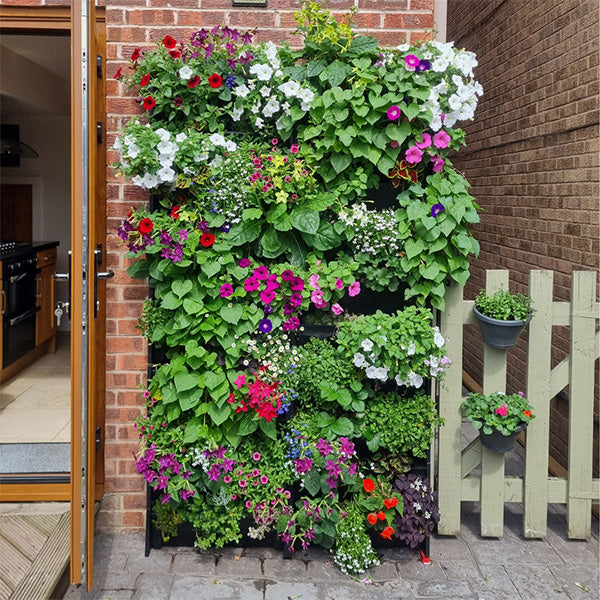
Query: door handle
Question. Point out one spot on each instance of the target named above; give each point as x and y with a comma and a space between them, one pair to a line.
65, 277
99, 275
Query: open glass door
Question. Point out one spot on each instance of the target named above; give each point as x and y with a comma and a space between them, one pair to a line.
87, 271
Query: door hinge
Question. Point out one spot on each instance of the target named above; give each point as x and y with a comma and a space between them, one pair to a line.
98, 66
99, 132
98, 437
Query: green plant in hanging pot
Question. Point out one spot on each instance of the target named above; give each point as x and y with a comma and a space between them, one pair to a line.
499, 417
502, 316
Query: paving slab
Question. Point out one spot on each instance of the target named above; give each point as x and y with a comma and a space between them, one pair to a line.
152, 586
497, 586
281, 569
194, 564
238, 567
445, 588
202, 588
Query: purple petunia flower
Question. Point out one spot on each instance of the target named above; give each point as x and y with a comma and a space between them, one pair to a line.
261, 273
296, 284
436, 209
291, 323
226, 290
424, 65
244, 262
287, 275
251, 284
265, 326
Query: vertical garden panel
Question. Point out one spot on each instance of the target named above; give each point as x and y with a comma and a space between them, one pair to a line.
581, 408
538, 392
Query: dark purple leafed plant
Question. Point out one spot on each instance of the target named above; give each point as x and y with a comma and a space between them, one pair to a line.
421, 513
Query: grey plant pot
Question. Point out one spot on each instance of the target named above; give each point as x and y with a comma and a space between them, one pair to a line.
498, 333
498, 442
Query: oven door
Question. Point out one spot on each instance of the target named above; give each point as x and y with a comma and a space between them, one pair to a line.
18, 336
20, 292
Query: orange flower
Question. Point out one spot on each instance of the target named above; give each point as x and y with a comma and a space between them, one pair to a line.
372, 518
381, 515
368, 485
386, 534
390, 502
527, 413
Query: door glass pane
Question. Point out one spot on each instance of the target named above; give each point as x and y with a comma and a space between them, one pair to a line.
35, 215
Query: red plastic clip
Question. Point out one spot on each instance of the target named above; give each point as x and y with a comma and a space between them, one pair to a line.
424, 558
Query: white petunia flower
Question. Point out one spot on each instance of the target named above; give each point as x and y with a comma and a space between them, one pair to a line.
217, 139
359, 360
414, 379
411, 349
262, 72
241, 90
236, 114
180, 137
366, 345
185, 72
438, 338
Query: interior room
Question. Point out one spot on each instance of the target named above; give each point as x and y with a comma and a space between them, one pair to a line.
34, 246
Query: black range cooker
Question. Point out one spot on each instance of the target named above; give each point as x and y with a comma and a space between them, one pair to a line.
18, 300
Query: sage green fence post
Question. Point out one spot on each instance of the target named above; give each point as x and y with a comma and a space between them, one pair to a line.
449, 438
535, 501
581, 403
492, 463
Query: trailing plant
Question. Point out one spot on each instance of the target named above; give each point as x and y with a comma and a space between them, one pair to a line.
504, 305
497, 411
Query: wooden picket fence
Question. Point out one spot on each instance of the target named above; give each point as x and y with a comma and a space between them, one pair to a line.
535, 489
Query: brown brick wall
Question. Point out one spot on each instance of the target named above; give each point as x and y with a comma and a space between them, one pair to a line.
532, 155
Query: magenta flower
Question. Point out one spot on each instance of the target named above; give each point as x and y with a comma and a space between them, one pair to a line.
441, 139
412, 61
267, 296
264, 479
240, 381
243, 484
296, 284
394, 112
354, 289
226, 290
438, 163
287, 275
317, 296
255, 473
244, 262
414, 155
272, 283
291, 323
256, 456
294, 148
425, 143
296, 299
339, 284
261, 273
502, 410
227, 479
251, 284
336, 309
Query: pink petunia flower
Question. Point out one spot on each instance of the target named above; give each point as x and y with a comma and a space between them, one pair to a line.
267, 296
240, 381
336, 309
339, 284
425, 143
502, 410
313, 280
393, 112
354, 289
294, 148
414, 155
226, 290
251, 284
261, 273
412, 61
438, 163
441, 139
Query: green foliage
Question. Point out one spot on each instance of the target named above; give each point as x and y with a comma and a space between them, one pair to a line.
438, 245
167, 519
504, 305
400, 425
215, 525
497, 411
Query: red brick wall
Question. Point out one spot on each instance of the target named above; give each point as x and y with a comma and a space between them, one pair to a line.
532, 154
136, 23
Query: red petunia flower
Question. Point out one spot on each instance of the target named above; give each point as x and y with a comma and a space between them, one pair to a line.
215, 81
169, 42
390, 502
386, 534
145, 80
146, 225
372, 518
178, 102
118, 73
149, 102
175, 212
207, 239
174, 54
194, 81
135, 54
368, 485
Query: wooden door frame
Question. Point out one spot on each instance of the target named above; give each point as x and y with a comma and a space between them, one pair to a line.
57, 20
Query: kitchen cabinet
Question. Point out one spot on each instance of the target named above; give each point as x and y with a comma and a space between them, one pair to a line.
45, 320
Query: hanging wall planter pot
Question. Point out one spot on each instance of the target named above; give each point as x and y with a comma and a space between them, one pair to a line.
499, 442
498, 333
